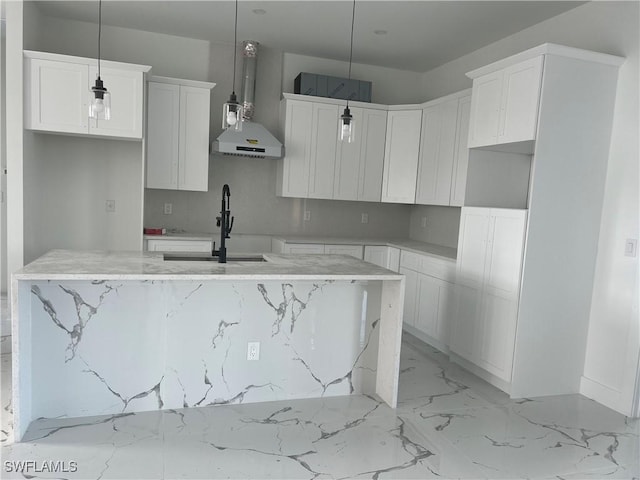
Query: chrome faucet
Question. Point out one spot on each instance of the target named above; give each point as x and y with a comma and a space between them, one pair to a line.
225, 222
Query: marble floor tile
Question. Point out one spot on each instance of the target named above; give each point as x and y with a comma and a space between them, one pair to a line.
449, 424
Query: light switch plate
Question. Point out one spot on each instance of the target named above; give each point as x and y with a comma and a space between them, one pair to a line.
364, 218
307, 215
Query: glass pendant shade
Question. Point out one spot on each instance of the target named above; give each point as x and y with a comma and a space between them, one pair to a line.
232, 114
346, 126
100, 105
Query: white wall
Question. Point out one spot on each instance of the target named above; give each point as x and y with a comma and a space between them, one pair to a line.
14, 137
609, 27
389, 85
169, 55
442, 225
3, 158
68, 179
66, 186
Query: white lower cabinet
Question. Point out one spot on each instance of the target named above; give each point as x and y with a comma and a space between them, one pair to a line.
383, 256
303, 248
490, 252
434, 308
177, 245
352, 250
410, 296
429, 297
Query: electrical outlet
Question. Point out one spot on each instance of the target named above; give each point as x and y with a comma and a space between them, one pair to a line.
424, 222
168, 208
253, 351
631, 247
307, 215
110, 206
364, 218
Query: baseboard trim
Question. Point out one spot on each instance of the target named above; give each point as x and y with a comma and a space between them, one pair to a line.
607, 396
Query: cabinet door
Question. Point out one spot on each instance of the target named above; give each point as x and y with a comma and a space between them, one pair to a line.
295, 167
465, 326
393, 260
163, 125
402, 147
127, 90
438, 142
520, 100
486, 96
303, 248
353, 250
193, 158
374, 128
461, 156
324, 138
57, 96
410, 296
497, 338
348, 157
435, 307
505, 245
427, 304
376, 254
472, 246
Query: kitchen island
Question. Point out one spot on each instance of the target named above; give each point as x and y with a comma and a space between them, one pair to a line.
106, 333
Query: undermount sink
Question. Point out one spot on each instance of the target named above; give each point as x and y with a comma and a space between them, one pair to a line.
209, 258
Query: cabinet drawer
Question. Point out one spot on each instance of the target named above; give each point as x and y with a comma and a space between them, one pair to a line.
204, 246
410, 260
438, 268
428, 265
353, 250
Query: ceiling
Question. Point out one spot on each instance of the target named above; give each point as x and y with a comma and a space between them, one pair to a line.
420, 35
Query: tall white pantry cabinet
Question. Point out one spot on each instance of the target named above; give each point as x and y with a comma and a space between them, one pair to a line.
525, 277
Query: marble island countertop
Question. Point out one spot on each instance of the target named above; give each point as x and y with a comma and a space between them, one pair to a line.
107, 265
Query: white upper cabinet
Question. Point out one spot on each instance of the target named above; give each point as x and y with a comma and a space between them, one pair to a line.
324, 137
178, 134
293, 175
359, 164
461, 156
402, 148
317, 164
57, 95
504, 104
193, 159
127, 92
163, 124
443, 151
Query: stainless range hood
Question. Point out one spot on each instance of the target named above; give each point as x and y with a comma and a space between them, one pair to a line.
253, 140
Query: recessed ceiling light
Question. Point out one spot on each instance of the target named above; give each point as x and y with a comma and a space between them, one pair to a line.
380, 32
259, 11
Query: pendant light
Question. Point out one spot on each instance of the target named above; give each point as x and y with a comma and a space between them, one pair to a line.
346, 119
100, 105
232, 110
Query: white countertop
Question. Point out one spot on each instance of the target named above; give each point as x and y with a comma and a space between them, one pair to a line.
105, 265
446, 253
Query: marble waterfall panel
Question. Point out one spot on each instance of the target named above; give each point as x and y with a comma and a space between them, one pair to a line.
110, 347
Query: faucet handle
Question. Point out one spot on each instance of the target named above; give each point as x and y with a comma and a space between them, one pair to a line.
230, 227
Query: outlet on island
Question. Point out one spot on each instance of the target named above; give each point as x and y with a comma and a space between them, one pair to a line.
253, 351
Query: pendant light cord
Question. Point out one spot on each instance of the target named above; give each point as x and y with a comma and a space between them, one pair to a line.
353, 17
235, 48
99, 32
